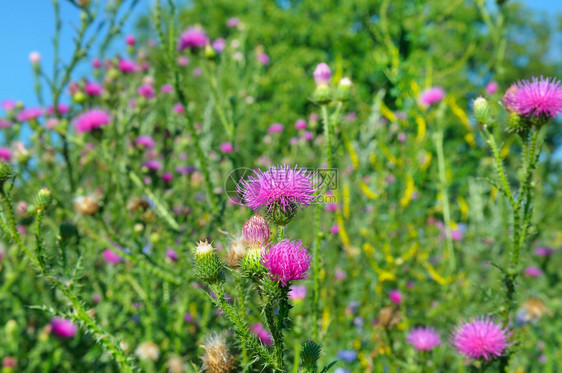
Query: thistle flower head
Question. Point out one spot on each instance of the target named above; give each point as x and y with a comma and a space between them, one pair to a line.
63, 328
192, 38
92, 120
217, 358
279, 191
480, 338
287, 261
263, 335
431, 96
29, 113
236, 252
207, 263
93, 88
424, 338
127, 66
544, 251
145, 141
322, 74
395, 297
538, 98
256, 230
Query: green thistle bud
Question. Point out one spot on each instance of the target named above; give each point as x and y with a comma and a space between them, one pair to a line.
6, 172
210, 53
79, 97
343, 90
517, 124
112, 74
322, 94
482, 111
251, 265
310, 353
207, 263
43, 198
281, 216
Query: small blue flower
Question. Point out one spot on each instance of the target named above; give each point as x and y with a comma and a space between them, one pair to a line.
348, 355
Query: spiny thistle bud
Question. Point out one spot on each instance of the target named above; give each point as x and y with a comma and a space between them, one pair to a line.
310, 353
256, 230
79, 97
43, 198
482, 111
322, 94
282, 215
207, 263
517, 124
210, 53
217, 358
6, 172
236, 252
251, 265
343, 90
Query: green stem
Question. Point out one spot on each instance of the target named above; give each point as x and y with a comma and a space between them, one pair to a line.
328, 136
281, 232
438, 139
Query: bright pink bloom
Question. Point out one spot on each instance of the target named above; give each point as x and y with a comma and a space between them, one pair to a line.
262, 334
322, 74
531, 271
280, 186
8, 105
152, 165
263, 58
424, 338
111, 256
178, 108
232, 22
167, 177
63, 328
130, 40
166, 88
537, 98
192, 38
335, 229
256, 230
183, 61
127, 66
29, 113
492, 87
395, 296
276, 128
5, 154
93, 88
146, 141
480, 338
226, 147
297, 292
308, 136
300, 124
287, 261
432, 95
544, 251
5, 123
62, 109
96, 63
146, 91
219, 45
92, 120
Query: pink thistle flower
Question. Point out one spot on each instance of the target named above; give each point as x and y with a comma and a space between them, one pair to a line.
130, 40
51, 123
197, 72
232, 22
183, 61
263, 58
219, 45
93, 88
431, 96
96, 63
146, 91
5, 154
480, 338
34, 57
256, 230
492, 87
308, 136
172, 255
29, 113
395, 297
401, 137
167, 177
262, 334
92, 120
226, 147
335, 229
8, 105
276, 128
537, 98
145, 141
322, 74
111, 256
192, 38
287, 261
178, 108
63, 328
280, 186
544, 251
127, 66
166, 88
424, 338
531, 271
152, 165
297, 292
61, 108
5, 123
300, 124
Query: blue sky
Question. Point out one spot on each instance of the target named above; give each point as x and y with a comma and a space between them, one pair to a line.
28, 25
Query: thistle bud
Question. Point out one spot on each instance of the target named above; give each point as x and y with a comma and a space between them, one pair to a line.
217, 358
322, 74
79, 97
210, 53
256, 230
43, 198
482, 111
343, 90
236, 252
282, 215
322, 94
207, 263
517, 124
6, 172
310, 353
251, 265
